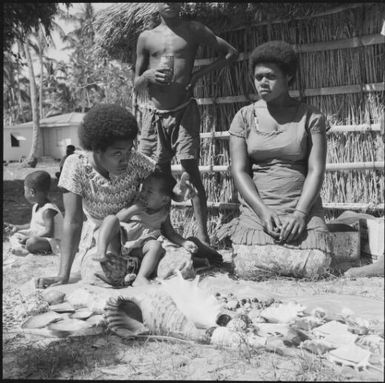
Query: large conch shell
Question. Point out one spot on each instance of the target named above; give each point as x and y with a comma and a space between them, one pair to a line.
155, 313
194, 302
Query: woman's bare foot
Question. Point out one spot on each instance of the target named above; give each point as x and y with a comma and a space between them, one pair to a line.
373, 270
140, 281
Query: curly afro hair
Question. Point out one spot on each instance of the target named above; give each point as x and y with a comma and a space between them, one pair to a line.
39, 180
277, 52
105, 124
166, 181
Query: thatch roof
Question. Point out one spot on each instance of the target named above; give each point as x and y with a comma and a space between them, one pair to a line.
119, 25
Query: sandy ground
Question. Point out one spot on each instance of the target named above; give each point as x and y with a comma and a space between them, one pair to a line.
106, 356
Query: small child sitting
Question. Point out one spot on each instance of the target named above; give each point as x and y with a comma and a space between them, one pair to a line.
43, 233
129, 231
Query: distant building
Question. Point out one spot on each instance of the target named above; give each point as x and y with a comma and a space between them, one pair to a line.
55, 134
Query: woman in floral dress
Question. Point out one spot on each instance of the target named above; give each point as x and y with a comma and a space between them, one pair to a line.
99, 182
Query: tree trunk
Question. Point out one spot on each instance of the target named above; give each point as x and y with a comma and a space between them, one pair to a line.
31, 161
40, 38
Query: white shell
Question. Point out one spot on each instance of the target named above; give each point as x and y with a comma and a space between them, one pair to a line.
64, 307
222, 336
68, 327
197, 304
283, 313
81, 314
53, 296
79, 298
41, 320
96, 320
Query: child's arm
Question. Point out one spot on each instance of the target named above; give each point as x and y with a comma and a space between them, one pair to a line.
15, 228
169, 232
125, 214
49, 224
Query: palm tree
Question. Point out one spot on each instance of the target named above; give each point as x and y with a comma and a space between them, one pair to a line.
85, 83
16, 90
32, 157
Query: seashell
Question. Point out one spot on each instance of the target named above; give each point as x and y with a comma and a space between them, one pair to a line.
237, 324
41, 320
316, 346
124, 318
96, 320
156, 311
268, 329
346, 312
374, 342
223, 319
68, 327
194, 302
222, 336
294, 337
255, 317
64, 307
350, 355
256, 341
232, 304
81, 314
283, 313
53, 297
318, 312
79, 298
308, 323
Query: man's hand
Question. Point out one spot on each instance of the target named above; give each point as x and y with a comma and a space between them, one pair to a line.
158, 76
191, 84
292, 227
43, 283
190, 246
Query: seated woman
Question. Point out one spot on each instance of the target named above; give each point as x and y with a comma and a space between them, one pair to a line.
100, 181
278, 156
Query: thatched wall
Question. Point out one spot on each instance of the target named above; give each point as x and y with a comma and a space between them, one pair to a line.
341, 72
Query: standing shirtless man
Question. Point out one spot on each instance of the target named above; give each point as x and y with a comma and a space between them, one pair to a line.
175, 121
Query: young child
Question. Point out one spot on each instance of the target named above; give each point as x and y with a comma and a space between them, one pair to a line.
130, 229
43, 233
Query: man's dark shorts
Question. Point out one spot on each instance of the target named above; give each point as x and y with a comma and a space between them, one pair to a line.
169, 133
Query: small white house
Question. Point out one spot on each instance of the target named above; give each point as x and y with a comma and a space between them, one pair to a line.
55, 134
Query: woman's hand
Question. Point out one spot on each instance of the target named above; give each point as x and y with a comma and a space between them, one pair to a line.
293, 226
190, 246
43, 283
271, 222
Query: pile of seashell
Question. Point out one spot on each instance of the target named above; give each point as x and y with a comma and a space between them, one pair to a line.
344, 339
65, 316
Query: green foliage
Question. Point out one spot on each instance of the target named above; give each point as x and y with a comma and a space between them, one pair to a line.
21, 18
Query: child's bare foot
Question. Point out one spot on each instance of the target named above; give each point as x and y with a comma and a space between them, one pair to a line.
372, 270
129, 279
141, 281
20, 251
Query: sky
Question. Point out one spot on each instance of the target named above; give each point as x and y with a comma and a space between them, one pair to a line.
59, 53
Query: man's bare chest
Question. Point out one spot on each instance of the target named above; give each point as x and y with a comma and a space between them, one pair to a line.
180, 44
